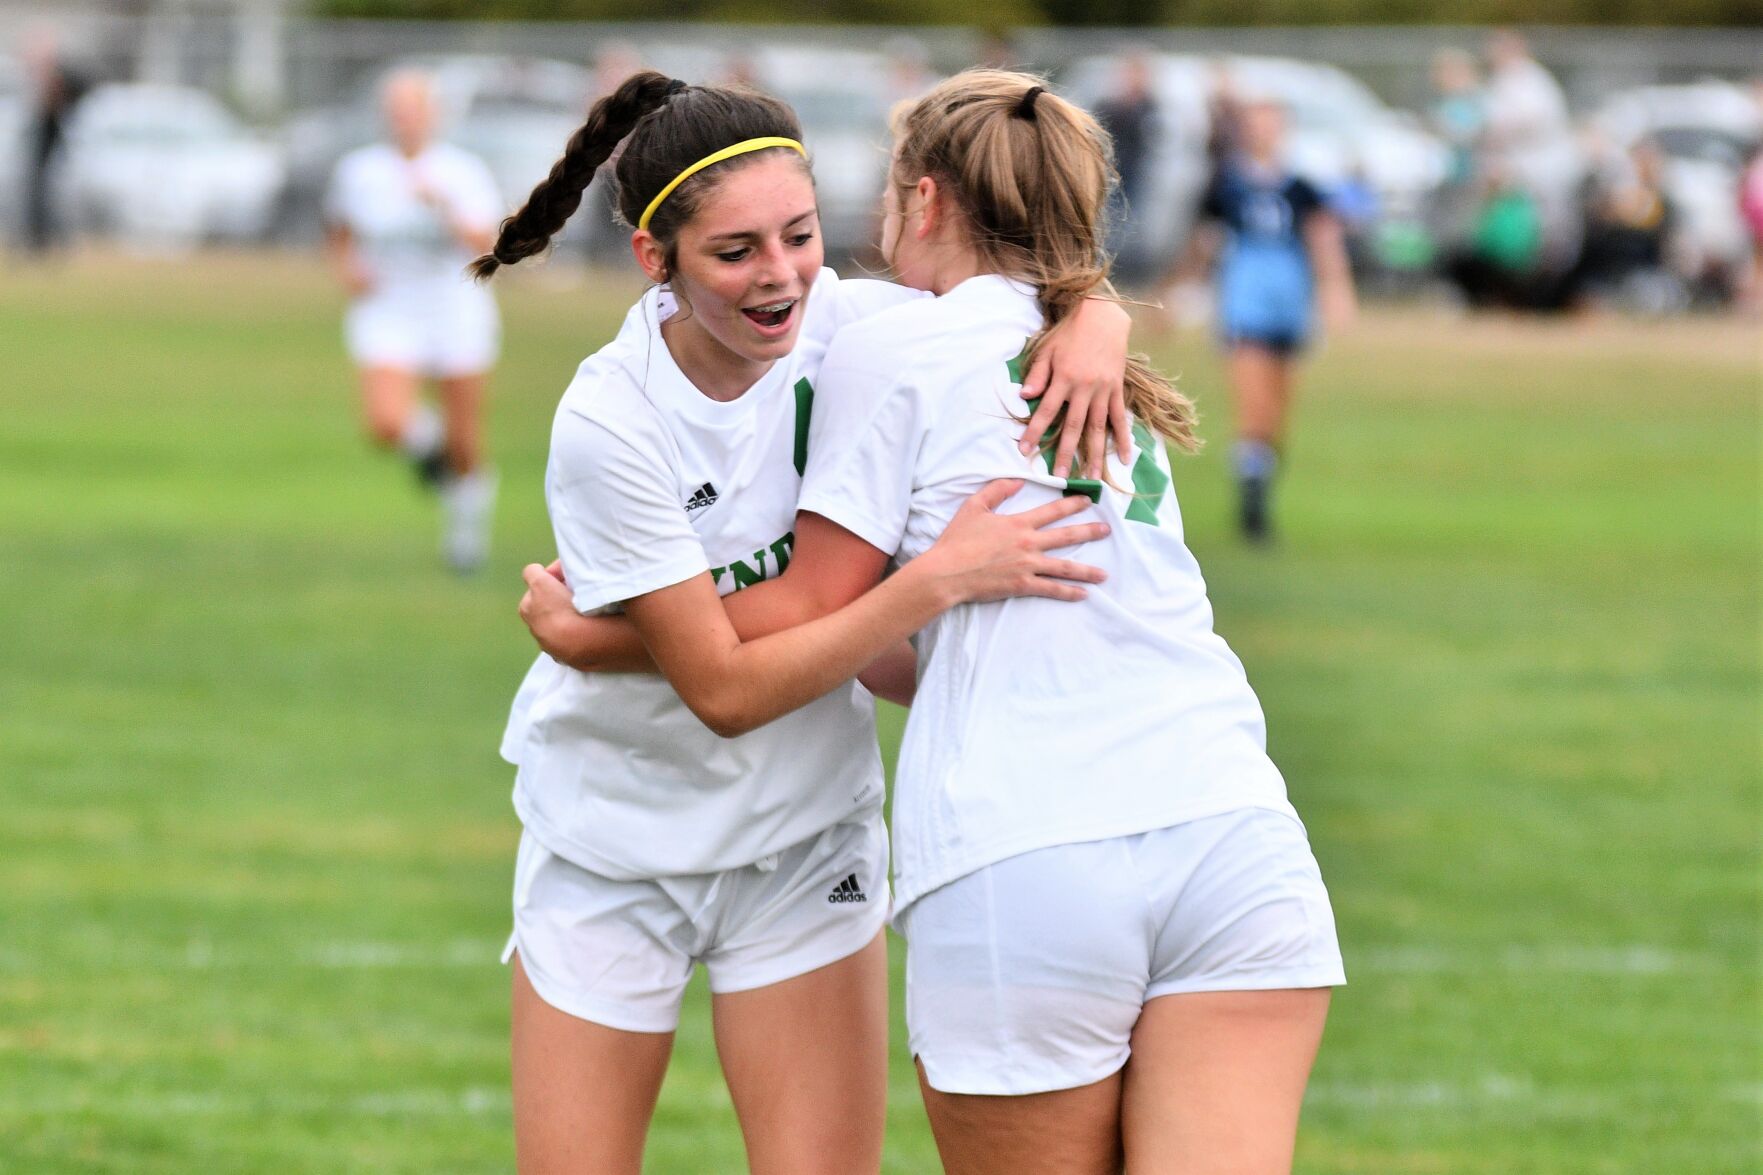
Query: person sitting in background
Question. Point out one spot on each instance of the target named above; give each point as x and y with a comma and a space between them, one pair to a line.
1498, 264
1629, 223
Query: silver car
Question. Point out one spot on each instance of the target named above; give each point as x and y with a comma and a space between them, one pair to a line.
162, 166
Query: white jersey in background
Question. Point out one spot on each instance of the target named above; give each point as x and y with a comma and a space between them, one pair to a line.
1036, 722
651, 482
402, 239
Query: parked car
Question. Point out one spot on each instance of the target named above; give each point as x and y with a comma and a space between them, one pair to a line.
1706, 131
515, 113
166, 166
1339, 131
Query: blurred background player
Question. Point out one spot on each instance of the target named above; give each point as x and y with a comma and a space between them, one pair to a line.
1280, 253
57, 89
403, 219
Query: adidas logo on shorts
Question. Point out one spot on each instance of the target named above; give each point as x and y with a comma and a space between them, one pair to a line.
704, 495
847, 891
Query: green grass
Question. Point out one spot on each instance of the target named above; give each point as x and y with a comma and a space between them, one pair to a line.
255, 845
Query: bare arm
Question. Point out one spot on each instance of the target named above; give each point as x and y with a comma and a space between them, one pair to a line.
735, 686
829, 567
893, 676
345, 261
1326, 243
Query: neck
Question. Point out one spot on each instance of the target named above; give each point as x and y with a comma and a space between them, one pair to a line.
712, 368
410, 149
954, 265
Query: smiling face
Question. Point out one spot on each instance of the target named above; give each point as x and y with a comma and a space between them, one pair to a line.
742, 266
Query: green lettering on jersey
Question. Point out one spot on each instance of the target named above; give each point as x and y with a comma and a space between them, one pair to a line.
746, 575
804, 410
1089, 487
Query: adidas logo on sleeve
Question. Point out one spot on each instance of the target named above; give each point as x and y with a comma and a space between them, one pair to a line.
704, 495
847, 891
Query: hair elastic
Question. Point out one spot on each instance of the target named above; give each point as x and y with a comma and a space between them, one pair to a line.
730, 152
1026, 107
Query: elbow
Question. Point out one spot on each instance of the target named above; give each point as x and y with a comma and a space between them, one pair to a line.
726, 717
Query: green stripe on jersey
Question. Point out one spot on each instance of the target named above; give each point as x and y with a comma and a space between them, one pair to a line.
1149, 482
804, 410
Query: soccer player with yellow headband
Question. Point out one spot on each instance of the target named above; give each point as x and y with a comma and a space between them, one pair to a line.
664, 826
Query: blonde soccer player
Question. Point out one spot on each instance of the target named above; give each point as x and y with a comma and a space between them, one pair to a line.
664, 826
1119, 945
403, 219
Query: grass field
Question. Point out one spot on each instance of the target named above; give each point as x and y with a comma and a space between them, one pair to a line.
255, 844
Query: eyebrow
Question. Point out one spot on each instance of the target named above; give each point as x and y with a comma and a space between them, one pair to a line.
750, 235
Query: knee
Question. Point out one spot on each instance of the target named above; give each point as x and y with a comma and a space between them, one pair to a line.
383, 429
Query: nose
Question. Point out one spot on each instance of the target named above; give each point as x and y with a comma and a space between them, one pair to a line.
773, 267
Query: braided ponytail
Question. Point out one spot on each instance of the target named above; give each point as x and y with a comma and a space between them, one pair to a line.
559, 194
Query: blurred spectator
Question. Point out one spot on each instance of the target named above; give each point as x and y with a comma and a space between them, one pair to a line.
56, 89
1751, 206
1499, 264
1529, 138
1129, 115
1458, 115
1224, 116
1628, 228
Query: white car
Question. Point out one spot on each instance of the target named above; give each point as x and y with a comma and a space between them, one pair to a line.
167, 167
1706, 131
1337, 129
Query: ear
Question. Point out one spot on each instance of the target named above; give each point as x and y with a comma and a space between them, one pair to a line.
930, 204
651, 256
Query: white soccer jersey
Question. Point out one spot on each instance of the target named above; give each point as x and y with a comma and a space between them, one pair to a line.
403, 240
650, 483
1037, 722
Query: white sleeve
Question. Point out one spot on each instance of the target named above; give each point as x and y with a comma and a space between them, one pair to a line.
863, 443
859, 297
621, 529
476, 199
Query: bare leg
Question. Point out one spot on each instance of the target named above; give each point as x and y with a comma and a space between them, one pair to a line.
1066, 1132
1260, 382
1216, 1080
388, 396
807, 1065
583, 1093
462, 402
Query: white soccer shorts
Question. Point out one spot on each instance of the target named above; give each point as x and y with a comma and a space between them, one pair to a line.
619, 953
1028, 975
444, 332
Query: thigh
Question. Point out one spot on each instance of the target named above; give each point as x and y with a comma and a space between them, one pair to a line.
1216, 1081
807, 1066
583, 1093
388, 394
1254, 382
1063, 1132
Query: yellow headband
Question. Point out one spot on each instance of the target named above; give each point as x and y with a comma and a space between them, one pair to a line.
726, 153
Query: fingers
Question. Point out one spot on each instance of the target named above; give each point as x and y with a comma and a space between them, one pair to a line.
1054, 589
1055, 511
1121, 425
555, 569
1096, 436
1036, 381
1069, 435
533, 573
1071, 571
1040, 421
993, 494
1051, 538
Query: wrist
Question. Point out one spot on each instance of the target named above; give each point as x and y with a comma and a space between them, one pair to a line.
930, 584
